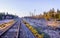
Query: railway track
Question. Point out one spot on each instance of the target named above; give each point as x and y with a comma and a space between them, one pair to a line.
12, 32
18, 30
25, 32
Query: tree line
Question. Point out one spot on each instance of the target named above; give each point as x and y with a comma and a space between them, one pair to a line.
7, 16
52, 14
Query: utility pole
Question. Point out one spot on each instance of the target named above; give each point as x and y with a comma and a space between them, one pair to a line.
34, 11
31, 14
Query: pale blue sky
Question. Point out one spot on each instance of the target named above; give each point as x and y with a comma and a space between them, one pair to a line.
23, 7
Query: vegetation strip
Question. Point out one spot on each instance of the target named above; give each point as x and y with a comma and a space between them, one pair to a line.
2, 26
33, 30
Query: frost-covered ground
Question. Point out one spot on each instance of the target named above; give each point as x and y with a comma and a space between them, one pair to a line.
4, 21
42, 25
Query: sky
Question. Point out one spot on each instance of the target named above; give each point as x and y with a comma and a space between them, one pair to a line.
25, 7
